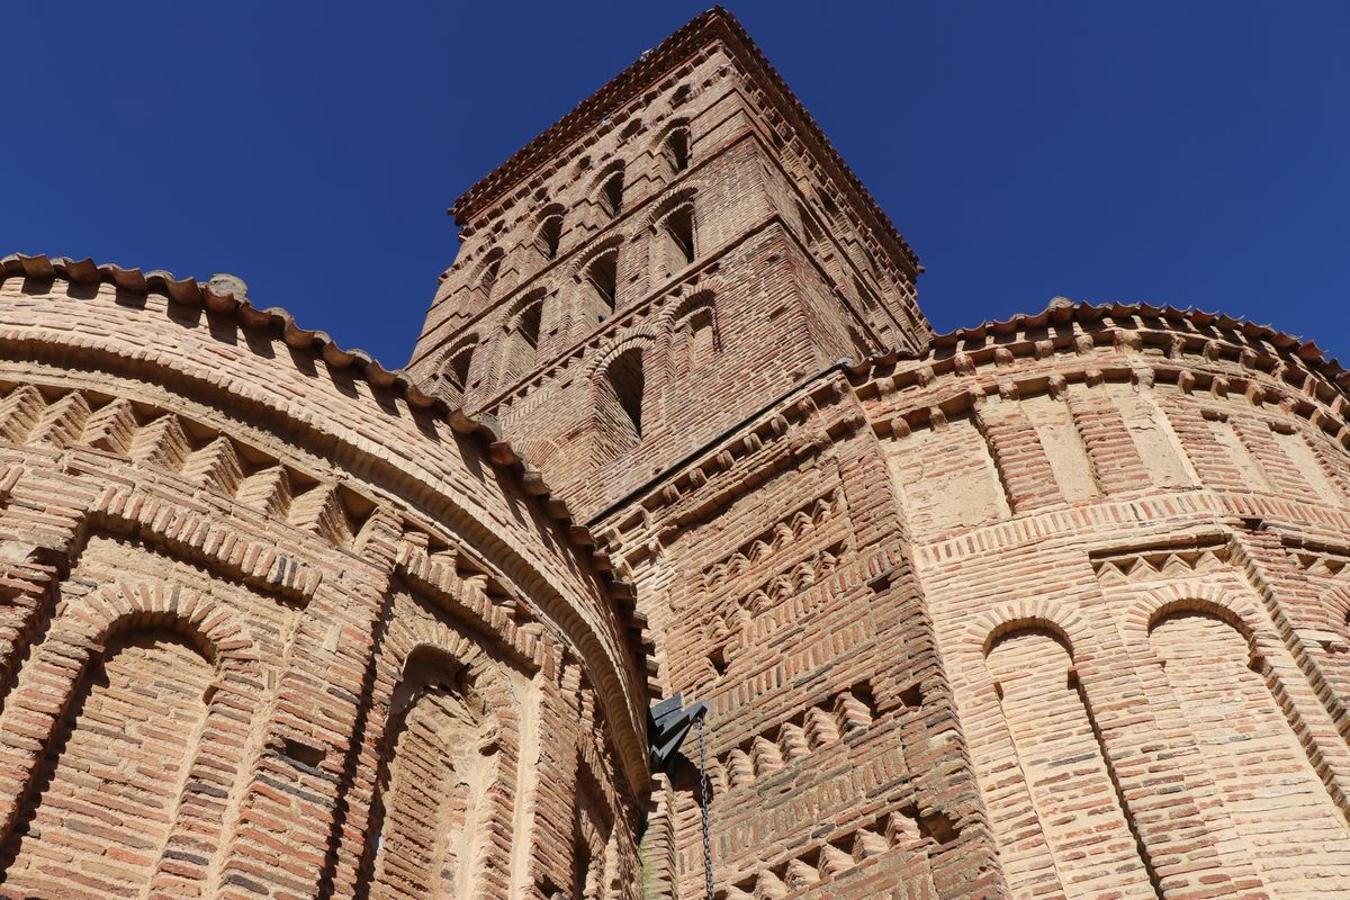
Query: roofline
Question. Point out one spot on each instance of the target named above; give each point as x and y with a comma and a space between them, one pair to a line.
698, 32
1061, 312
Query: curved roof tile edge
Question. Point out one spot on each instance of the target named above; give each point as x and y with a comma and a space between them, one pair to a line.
615, 92
497, 450
1059, 312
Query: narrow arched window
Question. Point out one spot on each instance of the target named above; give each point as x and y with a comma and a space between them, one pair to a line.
125, 742
528, 326
602, 276
488, 272
831, 208
810, 229
700, 329
675, 149
549, 236
610, 197
620, 404
437, 786
457, 367
864, 294
522, 338
678, 232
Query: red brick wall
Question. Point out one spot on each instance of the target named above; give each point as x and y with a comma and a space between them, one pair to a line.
1114, 544
273, 629
787, 298
773, 573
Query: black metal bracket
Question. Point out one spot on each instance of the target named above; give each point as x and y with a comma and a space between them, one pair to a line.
667, 724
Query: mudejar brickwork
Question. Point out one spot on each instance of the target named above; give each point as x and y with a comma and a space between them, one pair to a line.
1051, 607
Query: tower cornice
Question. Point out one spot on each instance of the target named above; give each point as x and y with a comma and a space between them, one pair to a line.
717, 24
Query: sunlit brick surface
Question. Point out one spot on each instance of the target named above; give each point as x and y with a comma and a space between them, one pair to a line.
1052, 607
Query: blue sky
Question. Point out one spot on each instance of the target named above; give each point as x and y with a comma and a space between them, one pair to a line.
1191, 153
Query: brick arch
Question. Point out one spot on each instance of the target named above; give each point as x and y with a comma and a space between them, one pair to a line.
996, 623
657, 145
684, 196
406, 639
547, 210
642, 337
705, 298
603, 174
1148, 610
1046, 724
611, 244
469, 343
1261, 749
520, 304
77, 642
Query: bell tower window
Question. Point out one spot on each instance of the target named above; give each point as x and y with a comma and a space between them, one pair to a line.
675, 149
625, 377
602, 275
549, 235
611, 194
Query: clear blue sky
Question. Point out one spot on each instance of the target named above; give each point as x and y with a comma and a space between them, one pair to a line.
1192, 153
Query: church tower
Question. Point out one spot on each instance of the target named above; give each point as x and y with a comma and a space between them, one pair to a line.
678, 251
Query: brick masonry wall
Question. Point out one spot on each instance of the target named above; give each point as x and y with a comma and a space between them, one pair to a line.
1128, 528
773, 573
252, 599
792, 279
1055, 607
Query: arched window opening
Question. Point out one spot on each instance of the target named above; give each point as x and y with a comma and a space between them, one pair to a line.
678, 231
827, 203
603, 277
694, 336
675, 150
625, 378
864, 295
524, 354
810, 229
488, 272
435, 788
701, 332
1034, 682
127, 738
611, 194
618, 405
458, 366
631, 130
527, 326
1228, 699
549, 236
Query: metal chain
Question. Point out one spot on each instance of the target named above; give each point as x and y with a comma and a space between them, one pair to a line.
705, 803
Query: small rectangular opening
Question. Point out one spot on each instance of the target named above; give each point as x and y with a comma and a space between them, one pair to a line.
302, 753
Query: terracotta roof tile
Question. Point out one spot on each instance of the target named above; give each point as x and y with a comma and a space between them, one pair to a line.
1060, 312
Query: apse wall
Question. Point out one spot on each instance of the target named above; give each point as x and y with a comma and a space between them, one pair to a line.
1131, 527
276, 623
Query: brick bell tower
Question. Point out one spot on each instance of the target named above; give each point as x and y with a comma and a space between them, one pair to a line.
657, 299
674, 254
